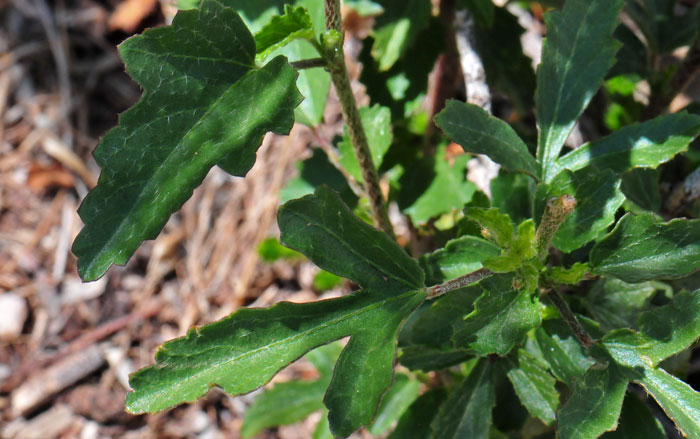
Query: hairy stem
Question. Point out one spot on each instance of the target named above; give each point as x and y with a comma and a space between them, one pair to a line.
557, 210
339, 75
569, 317
308, 63
460, 282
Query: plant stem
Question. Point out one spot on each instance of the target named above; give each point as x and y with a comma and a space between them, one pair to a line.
335, 59
557, 210
308, 63
460, 282
569, 317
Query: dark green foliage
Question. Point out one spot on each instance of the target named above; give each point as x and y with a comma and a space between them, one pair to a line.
525, 341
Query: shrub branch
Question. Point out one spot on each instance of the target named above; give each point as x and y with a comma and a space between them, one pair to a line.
335, 60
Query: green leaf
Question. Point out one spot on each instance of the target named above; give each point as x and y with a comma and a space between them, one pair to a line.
520, 250
313, 172
398, 398
636, 422
598, 197
415, 422
324, 229
500, 319
616, 304
284, 404
643, 145
459, 257
534, 386
282, 29
467, 411
595, 404
192, 116
376, 121
564, 354
243, 351
641, 186
640, 249
434, 186
396, 28
511, 193
664, 332
570, 276
577, 53
680, 402
478, 132
495, 226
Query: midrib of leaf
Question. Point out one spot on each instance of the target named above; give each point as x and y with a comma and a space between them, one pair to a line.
548, 139
673, 255
153, 181
196, 58
184, 382
354, 252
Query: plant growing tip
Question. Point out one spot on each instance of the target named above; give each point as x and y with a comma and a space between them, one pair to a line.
556, 211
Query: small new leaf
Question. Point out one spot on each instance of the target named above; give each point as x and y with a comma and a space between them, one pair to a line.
282, 29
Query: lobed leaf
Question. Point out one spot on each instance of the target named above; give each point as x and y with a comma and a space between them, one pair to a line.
201, 85
467, 411
598, 197
324, 229
245, 350
641, 249
577, 53
643, 145
476, 131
